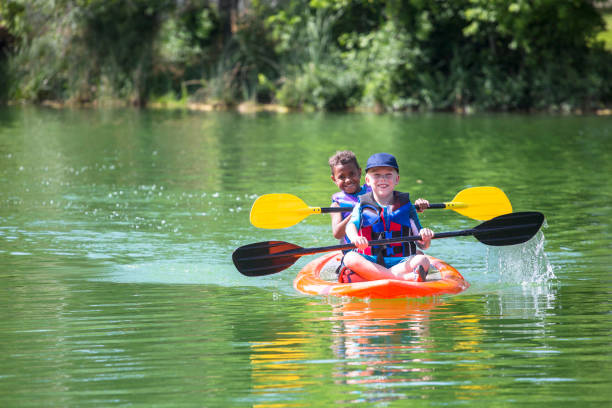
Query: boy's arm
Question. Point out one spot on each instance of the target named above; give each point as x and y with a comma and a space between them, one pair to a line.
425, 233
338, 224
352, 233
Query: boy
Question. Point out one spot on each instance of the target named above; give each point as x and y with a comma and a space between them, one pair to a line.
385, 213
346, 174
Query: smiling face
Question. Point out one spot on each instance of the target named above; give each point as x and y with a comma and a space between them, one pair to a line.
382, 180
347, 177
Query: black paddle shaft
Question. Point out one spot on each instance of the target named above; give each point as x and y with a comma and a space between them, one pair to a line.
327, 210
269, 257
316, 250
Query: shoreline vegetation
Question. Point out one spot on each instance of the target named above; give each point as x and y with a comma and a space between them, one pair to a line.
249, 107
465, 56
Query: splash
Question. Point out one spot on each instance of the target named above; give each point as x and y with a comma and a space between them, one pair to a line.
526, 264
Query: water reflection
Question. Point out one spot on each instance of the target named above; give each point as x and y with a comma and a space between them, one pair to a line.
279, 364
378, 348
377, 341
387, 350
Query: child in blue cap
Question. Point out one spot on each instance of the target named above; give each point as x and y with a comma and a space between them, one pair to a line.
385, 213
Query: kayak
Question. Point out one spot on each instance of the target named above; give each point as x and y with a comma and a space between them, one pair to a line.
444, 279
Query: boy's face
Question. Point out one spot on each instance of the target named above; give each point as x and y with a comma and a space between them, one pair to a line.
347, 177
382, 180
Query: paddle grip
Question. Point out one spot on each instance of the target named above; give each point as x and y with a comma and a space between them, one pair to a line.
325, 210
454, 233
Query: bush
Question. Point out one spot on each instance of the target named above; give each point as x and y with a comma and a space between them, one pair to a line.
321, 87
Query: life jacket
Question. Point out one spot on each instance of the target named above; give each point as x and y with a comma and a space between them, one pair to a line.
349, 200
381, 223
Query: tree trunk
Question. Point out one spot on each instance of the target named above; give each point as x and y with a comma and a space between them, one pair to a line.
228, 16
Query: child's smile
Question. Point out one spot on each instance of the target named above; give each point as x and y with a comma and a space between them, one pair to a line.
382, 180
347, 177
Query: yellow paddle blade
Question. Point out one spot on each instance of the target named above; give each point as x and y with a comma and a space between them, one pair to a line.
272, 211
481, 203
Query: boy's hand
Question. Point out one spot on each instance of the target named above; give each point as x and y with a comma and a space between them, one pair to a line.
421, 204
361, 242
426, 236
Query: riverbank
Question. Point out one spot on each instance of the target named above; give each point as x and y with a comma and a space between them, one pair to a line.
244, 107
250, 107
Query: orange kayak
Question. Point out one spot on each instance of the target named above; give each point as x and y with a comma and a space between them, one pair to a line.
446, 280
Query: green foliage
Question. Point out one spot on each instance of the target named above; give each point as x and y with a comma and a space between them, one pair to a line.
13, 16
319, 54
312, 73
535, 54
121, 39
606, 36
244, 60
385, 60
184, 38
323, 87
183, 50
38, 65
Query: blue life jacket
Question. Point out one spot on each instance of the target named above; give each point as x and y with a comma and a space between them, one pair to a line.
397, 220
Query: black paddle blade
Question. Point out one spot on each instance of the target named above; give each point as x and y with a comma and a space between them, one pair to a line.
264, 258
509, 229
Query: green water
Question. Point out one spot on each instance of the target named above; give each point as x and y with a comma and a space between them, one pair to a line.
117, 286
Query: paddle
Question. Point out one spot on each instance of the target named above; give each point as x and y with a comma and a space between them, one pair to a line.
273, 211
265, 258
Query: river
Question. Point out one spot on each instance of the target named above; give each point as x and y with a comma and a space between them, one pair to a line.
118, 289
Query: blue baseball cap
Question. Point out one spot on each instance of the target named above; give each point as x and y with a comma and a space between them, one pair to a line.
382, 160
